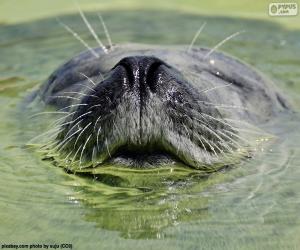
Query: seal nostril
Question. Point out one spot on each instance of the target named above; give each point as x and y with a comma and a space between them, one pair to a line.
129, 71
152, 74
142, 72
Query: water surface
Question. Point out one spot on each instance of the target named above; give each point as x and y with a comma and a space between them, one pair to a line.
254, 205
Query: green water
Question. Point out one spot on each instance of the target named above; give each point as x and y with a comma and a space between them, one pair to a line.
254, 205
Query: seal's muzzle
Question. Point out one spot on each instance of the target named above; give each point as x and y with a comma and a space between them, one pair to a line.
146, 113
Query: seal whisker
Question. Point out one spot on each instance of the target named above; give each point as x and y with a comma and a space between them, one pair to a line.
68, 155
51, 133
217, 147
117, 129
98, 119
214, 133
70, 130
252, 131
79, 93
250, 128
101, 75
106, 31
78, 38
94, 106
106, 144
218, 120
205, 121
84, 146
94, 155
202, 144
43, 134
86, 86
67, 97
56, 122
229, 138
81, 133
187, 131
206, 127
196, 36
64, 142
88, 25
236, 135
89, 79
74, 105
214, 88
50, 144
99, 105
220, 105
98, 133
226, 124
77, 151
222, 42
211, 147
55, 147
77, 118
238, 121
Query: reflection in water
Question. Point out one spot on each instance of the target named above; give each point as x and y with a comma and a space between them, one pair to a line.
254, 205
142, 211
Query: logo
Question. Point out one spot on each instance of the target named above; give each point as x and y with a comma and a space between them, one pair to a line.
283, 9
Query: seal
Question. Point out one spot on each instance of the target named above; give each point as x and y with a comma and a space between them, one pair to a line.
144, 106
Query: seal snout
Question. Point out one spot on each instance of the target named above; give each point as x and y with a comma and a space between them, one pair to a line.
142, 72
145, 113
142, 106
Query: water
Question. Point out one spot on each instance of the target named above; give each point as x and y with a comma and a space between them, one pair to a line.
254, 205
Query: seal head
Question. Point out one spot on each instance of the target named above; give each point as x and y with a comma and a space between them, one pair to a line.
144, 106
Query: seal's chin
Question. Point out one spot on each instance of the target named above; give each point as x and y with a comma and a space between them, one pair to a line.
142, 158
161, 153
145, 114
